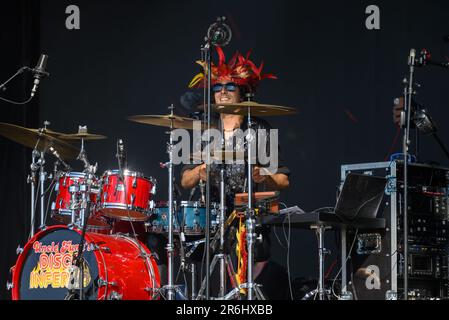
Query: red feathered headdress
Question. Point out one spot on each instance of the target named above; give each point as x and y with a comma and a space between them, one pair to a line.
239, 70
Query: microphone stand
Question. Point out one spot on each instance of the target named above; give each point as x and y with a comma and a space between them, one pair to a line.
20, 71
408, 93
207, 56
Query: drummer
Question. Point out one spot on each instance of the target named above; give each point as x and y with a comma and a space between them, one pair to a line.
231, 83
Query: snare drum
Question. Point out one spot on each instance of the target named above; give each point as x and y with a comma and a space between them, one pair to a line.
115, 267
129, 199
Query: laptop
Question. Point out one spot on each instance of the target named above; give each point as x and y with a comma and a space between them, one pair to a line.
360, 196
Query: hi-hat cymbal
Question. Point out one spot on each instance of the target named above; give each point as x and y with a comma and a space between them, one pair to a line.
257, 109
82, 134
32, 138
222, 156
168, 121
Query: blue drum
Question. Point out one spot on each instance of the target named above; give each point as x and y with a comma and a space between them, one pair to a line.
189, 215
159, 218
192, 216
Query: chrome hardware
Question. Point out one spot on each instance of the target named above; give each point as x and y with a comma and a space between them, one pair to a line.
115, 296
9, 285
391, 295
103, 283
19, 250
135, 182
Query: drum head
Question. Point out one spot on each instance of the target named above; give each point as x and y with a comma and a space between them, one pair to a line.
44, 272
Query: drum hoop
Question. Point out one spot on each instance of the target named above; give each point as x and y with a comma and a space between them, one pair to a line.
129, 173
119, 205
73, 175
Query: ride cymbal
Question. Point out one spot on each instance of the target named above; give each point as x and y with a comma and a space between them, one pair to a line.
256, 109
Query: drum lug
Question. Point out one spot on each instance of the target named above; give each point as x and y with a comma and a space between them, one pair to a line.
19, 250
135, 182
9, 285
103, 249
115, 296
104, 283
152, 290
133, 198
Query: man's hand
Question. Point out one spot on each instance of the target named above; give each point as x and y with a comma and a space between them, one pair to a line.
202, 172
257, 177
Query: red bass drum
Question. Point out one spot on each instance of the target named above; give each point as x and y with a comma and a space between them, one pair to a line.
115, 267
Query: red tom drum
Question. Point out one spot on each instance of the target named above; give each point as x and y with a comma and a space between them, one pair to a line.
128, 199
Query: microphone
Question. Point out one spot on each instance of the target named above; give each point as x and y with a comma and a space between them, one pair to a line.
121, 154
219, 33
39, 72
412, 57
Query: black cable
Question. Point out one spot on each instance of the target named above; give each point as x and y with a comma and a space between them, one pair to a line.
16, 103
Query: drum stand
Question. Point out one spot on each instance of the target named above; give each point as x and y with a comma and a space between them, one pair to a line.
224, 259
322, 251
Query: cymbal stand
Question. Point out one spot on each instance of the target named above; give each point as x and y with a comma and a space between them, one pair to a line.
32, 181
252, 287
83, 205
170, 287
42, 177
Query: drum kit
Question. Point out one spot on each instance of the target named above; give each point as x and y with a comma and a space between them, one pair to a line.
95, 246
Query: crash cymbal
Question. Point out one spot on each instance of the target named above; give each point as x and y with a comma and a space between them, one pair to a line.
48, 132
82, 134
30, 137
257, 109
167, 121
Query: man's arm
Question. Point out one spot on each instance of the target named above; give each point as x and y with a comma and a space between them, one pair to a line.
277, 181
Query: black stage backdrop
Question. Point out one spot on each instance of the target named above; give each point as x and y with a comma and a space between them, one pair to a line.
137, 57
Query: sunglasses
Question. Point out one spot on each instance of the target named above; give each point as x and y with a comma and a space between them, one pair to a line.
228, 86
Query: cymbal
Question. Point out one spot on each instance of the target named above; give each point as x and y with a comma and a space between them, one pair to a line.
221, 156
82, 134
167, 121
256, 109
48, 132
30, 137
